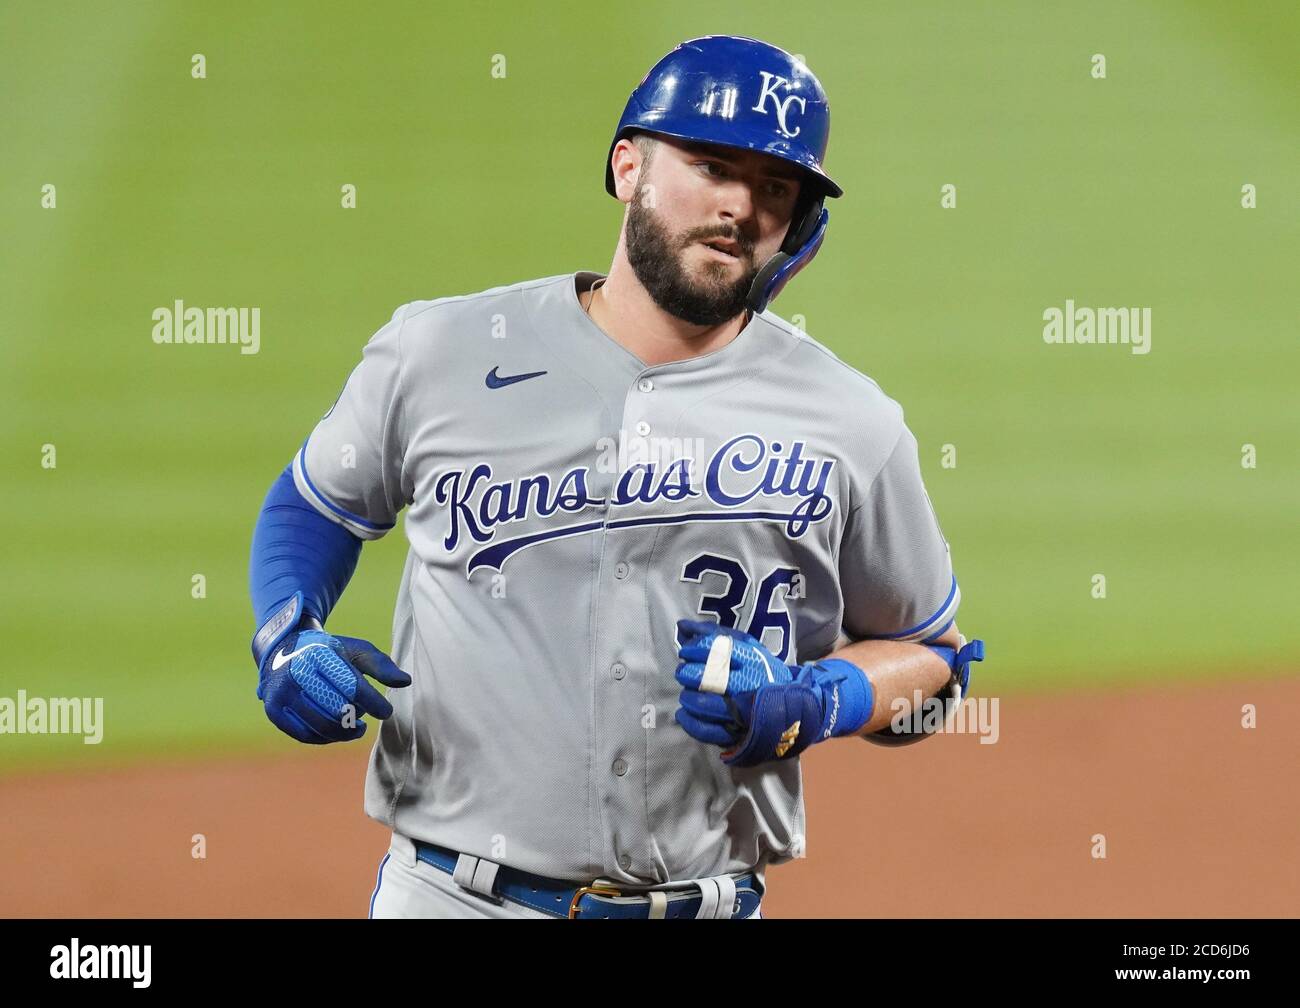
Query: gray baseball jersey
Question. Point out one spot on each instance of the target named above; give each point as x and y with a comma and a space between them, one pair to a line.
565, 506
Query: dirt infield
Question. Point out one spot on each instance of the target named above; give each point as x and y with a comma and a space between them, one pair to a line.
1200, 817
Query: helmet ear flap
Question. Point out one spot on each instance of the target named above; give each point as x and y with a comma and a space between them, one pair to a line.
802, 240
803, 222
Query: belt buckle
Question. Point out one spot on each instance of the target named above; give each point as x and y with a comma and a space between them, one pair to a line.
589, 890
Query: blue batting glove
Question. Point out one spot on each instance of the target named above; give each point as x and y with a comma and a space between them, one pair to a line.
738, 695
313, 686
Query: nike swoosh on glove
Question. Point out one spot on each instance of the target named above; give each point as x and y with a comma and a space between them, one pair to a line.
314, 689
738, 695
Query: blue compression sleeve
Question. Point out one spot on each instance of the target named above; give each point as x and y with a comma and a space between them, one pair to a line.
296, 548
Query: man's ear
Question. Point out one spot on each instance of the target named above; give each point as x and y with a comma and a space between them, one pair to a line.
626, 160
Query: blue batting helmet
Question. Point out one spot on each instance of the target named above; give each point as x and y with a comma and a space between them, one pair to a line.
743, 93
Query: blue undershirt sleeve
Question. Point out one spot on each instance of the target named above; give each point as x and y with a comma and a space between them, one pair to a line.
295, 548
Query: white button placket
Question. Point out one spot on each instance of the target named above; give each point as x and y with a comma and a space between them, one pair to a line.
621, 690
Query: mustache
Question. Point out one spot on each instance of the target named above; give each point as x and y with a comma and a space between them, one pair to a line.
742, 245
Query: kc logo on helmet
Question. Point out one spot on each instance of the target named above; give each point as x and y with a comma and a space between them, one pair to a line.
771, 81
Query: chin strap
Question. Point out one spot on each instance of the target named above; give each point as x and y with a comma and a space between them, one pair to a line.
800, 246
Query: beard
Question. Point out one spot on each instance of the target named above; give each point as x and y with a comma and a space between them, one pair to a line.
708, 298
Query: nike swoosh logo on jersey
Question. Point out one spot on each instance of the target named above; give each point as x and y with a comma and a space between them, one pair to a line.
278, 661
495, 380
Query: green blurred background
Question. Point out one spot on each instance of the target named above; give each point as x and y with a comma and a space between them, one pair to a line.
1072, 460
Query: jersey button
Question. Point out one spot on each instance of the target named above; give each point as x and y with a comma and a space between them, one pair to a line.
646, 385
625, 861
642, 428
618, 670
621, 570
619, 767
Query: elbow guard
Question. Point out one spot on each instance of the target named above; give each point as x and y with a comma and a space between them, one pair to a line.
954, 691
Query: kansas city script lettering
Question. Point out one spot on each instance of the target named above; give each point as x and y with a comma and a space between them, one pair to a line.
745, 468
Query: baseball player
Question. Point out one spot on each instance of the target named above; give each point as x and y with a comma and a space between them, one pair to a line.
661, 542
